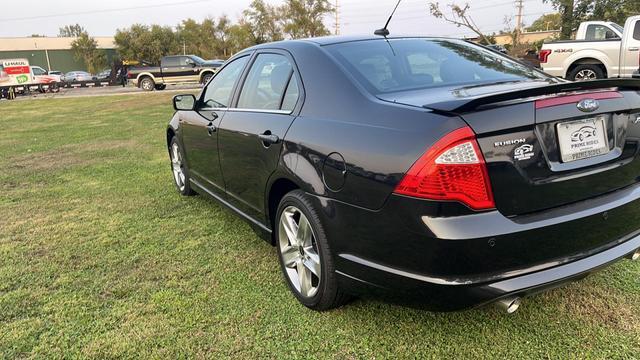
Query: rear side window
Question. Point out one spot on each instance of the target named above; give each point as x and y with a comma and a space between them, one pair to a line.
599, 32
266, 83
170, 61
636, 31
291, 95
406, 64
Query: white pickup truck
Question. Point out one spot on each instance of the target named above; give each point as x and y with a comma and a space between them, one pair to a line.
601, 50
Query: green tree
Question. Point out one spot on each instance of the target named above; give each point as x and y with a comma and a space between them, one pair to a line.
148, 43
262, 21
304, 18
614, 10
545, 22
85, 48
572, 12
71, 31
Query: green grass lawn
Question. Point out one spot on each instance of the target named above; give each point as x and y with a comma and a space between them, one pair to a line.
100, 257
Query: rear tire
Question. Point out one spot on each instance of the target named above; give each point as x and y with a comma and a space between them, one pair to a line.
179, 169
303, 251
147, 84
586, 72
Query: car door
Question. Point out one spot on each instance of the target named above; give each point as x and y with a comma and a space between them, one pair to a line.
199, 127
170, 68
188, 70
630, 47
251, 133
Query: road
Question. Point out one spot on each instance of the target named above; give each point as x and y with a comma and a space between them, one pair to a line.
102, 91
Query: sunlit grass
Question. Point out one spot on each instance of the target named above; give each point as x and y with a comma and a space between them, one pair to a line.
100, 257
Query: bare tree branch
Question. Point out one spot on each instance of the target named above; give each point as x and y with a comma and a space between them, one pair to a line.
459, 16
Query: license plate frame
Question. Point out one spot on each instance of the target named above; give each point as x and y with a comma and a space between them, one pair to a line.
582, 139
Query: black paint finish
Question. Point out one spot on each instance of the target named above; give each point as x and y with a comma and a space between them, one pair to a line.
348, 149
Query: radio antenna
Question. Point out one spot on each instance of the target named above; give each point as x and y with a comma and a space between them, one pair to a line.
384, 31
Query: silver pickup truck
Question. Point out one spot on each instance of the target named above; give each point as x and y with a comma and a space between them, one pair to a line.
603, 50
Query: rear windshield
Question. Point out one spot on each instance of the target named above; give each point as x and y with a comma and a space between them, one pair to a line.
407, 64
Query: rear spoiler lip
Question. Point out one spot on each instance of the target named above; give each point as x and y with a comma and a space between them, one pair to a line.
462, 106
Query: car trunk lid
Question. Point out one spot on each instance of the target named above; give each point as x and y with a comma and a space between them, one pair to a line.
541, 150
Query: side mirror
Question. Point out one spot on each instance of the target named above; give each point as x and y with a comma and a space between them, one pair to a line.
185, 102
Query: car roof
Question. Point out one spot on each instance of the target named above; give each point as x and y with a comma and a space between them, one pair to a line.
338, 39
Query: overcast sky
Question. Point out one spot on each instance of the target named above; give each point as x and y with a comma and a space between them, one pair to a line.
101, 18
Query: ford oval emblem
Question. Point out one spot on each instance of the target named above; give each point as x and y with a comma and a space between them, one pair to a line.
588, 105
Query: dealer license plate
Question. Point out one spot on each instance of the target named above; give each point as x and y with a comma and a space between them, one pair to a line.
582, 139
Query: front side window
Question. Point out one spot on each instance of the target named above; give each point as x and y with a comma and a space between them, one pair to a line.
219, 91
407, 64
185, 60
38, 71
266, 83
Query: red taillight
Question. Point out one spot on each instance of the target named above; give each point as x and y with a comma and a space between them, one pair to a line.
452, 169
544, 55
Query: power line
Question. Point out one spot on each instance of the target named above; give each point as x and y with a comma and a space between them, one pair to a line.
103, 11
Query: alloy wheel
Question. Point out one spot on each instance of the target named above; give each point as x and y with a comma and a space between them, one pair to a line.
146, 85
299, 251
586, 74
177, 166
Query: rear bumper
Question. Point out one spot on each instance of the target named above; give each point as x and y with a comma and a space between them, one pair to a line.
451, 294
408, 254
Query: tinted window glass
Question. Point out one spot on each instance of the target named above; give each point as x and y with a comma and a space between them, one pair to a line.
185, 60
218, 93
599, 32
38, 71
266, 83
170, 61
405, 64
291, 95
636, 31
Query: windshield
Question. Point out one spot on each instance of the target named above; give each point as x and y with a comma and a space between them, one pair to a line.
197, 59
407, 64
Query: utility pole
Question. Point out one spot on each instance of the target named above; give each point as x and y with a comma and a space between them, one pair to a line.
518, 29
520, 7
337, 24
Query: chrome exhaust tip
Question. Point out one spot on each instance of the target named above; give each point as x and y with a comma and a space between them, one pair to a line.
634, 256
510, 305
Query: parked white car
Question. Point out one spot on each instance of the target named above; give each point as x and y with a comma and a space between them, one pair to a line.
602, 50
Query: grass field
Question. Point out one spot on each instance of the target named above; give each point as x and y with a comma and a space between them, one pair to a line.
101, 258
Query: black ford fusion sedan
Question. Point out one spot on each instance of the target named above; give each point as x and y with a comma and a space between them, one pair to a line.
430, 171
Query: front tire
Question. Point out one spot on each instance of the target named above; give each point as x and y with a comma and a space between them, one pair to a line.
586, 73
147, 84
179, 169
304, 254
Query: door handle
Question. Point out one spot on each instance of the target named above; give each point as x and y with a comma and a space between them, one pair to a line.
211, 129
214, 115
634, 49
268, 138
